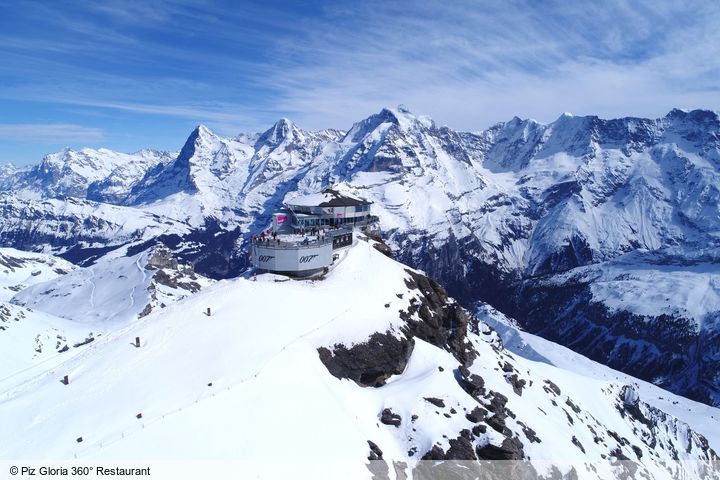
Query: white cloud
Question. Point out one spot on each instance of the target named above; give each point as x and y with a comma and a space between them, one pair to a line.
471, 65
467, 64
50, 133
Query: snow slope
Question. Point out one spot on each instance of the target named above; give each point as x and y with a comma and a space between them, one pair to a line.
52, 309
704, 418
251, 382
19, 270
30, 338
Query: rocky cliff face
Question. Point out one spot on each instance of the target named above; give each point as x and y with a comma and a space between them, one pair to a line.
489, 419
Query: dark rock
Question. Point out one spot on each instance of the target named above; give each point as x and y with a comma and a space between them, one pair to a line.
638, 451
529, 433
384, 249
550, 387
517, 383
577, 443
162, 258
175, 279
443, 322
435, 453
461, 448
570, 404
435, 401
89, 339
145, 311
497, 423
510, 449
389, 418
473, 384
375, 452
476, 415
497, 403
370, 363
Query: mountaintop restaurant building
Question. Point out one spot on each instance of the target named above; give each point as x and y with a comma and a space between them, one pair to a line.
305, 234
329, 208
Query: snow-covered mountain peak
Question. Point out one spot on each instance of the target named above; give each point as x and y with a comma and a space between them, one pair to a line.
201, 136
203, 130
407, 120
282, 132
697, 115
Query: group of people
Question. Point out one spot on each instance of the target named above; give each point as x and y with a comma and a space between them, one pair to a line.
266, 236
269, 237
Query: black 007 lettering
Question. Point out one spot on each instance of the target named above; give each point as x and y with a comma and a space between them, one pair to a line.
306, 258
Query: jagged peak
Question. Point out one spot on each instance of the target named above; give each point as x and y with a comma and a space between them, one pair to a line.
203, 130
57, 157
677, 112
405, 118
284, 122
281, 130
199, 134
401, 117
517, 121
696, 114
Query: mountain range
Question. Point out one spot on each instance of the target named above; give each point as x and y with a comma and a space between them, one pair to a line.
601, 235
508, 244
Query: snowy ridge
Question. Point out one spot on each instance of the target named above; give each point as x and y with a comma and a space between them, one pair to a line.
226, 378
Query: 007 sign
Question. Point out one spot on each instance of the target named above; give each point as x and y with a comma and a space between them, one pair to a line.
306, 258
265, 258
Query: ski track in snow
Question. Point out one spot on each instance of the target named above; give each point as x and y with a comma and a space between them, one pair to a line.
144, 277
92, 291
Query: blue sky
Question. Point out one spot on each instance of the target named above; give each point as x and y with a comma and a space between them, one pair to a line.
131, 74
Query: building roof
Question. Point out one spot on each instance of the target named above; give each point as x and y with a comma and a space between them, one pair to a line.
327, 198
